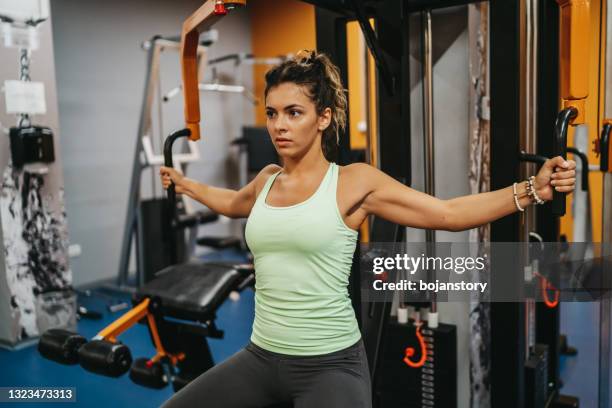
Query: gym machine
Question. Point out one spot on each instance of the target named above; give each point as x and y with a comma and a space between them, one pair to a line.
179, 305
142, 226
557, 71
512, 374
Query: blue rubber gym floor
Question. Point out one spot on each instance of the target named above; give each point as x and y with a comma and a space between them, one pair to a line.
580, 373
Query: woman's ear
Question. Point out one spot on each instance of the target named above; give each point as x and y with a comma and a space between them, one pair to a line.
325, 119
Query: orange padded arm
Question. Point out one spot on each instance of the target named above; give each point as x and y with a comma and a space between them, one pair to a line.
139, 312
574, 42
207, 15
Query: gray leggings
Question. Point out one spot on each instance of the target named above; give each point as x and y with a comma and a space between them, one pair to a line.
257, 378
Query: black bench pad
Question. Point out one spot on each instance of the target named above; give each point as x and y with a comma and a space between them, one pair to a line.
192, 291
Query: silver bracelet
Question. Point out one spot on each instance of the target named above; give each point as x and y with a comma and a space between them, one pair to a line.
516, 201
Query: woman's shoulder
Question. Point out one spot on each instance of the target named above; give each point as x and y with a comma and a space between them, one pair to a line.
356, 170
357, 177
264, 174
269, 170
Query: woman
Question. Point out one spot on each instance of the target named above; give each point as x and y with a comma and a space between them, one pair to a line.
302, 226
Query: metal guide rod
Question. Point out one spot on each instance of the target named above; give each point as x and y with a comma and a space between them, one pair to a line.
428, 142
529, 143
131, 223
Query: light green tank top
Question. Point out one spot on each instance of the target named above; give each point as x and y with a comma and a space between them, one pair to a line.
303, 255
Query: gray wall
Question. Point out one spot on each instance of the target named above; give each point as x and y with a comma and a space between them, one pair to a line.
100, 76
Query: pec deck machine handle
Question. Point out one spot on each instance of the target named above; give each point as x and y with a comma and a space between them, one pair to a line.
574, 35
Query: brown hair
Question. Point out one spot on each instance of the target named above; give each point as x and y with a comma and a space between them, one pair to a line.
321, 78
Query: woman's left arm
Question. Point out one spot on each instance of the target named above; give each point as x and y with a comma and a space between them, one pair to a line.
391, 200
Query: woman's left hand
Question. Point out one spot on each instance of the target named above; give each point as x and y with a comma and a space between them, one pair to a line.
557, 174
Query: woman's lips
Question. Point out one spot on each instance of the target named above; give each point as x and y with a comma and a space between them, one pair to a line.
283, 142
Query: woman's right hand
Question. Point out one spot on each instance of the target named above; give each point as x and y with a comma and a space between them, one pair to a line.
169, 175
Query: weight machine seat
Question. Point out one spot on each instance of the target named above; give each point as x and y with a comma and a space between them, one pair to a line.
193, 290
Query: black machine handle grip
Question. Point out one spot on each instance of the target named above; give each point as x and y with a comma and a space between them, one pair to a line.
604, 147
168, 163
562, 123
532, 158
172, 213
585, 166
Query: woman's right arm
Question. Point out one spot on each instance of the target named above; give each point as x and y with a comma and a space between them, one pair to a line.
231, 203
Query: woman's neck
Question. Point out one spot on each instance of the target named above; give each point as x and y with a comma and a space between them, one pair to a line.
312, 161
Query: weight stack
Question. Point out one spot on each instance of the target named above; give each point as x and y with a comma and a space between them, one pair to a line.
434, 384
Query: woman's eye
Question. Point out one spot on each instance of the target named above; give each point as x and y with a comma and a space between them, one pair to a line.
294, 113
270, 114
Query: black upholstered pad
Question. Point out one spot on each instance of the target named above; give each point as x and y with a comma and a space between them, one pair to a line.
219, 242
192, 290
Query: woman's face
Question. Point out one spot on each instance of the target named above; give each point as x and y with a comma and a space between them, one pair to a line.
293, 122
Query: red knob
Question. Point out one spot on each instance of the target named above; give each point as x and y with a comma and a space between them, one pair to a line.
220, 9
